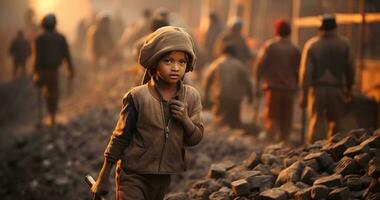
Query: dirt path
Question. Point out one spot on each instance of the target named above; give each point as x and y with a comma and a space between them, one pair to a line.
50, 163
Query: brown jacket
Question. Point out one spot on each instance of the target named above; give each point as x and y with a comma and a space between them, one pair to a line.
243, 53
327, 60
151, 150
51, 50
277, 64
227, 78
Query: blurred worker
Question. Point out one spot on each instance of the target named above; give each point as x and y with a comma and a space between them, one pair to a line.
326, 77
137, 30
20, 50
277, 68
226, 83
101, 40
51, 50
234, 36
214, 28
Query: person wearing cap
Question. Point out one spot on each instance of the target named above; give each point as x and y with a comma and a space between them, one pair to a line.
227, 83
51, 49
234, 36
276, 67
326, 78
158, 120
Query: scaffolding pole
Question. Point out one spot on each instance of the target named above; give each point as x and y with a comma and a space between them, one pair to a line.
362, 44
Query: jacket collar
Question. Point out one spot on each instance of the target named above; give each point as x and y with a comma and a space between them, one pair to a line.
153, 84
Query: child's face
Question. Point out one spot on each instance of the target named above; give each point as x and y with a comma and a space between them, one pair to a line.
171, 68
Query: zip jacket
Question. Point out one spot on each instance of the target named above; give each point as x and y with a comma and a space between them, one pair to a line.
146, 139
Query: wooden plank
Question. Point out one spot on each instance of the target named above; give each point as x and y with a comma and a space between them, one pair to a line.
341, 18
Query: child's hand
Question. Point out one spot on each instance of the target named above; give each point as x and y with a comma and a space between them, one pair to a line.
178, 110
100, 188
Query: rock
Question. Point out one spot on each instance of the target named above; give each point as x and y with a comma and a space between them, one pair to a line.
319, 192
355, 150
362, 159
276, 169
201, 194
324, 159
227, 164
357, 194
308, 175
290, 188
206, 183
312, 163
289, 161
222, 194
336, 137
366, 180
290, 174
217, 171
240, 187
260, 181
302, 185
371, 196
177, 196
252, 161
375, 152
374, 187
334, 180
303, 194
337, 149
339, 194
273, 194
373, 142
248, 174
269, 159
374, 168
354, 183
346, 166
263, 169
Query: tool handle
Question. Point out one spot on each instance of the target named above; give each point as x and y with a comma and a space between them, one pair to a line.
90, 182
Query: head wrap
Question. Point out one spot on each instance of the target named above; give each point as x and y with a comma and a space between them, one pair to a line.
163, 41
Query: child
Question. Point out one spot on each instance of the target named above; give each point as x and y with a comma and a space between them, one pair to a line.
158, 119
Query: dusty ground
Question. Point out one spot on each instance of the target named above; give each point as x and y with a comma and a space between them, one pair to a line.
50, 163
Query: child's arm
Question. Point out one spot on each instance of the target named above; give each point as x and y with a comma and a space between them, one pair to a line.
192, 122
120, 140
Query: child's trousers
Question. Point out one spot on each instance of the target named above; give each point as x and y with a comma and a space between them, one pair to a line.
131, 186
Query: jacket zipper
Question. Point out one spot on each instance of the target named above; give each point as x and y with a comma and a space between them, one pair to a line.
166, 135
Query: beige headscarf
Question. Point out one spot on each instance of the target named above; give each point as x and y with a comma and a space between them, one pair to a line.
162, 41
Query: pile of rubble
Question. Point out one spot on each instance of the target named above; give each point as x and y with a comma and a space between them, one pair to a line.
345, 167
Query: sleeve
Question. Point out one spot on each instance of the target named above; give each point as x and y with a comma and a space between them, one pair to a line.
123, 132
210, 75
66, 54
11, 48
350, 69
246, 80
37, 54
196, 118
306, 67
260, 62
297, 63
28, 48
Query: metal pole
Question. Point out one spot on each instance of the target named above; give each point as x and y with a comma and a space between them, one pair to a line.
296, 5
362, 43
